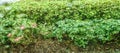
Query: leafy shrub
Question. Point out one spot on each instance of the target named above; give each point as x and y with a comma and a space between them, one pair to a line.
53, 11
83, 32
17, 30
81, 21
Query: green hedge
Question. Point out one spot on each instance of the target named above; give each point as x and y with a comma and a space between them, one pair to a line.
81, 21
83, 32
17, 31
54, 11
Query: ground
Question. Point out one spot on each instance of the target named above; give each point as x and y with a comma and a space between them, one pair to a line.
53, 46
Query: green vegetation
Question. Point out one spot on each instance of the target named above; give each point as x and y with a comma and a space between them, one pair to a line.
83, 32
81, 22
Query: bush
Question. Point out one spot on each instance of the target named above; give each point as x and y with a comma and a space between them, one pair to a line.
51, 12
81, 21
83, 32
17, 30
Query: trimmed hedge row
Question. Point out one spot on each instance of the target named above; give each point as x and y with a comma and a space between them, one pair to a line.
84, 32
80, 21
54, 11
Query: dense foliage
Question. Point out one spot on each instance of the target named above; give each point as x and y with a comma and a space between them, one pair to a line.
12, 30
54, 11
82, 32
79, 21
